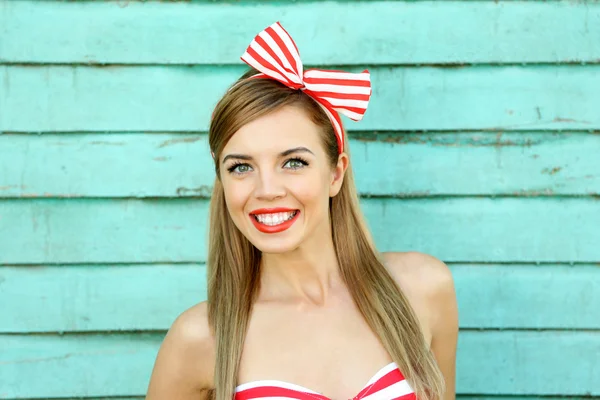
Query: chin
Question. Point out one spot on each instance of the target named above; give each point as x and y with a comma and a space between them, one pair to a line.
276, 245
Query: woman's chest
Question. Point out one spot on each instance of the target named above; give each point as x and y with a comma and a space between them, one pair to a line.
329, 352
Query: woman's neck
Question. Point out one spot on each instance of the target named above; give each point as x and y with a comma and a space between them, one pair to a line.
306, 275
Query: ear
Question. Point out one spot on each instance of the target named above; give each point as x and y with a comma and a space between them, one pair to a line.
337, 174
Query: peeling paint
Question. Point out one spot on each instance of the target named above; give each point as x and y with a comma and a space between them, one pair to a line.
200, 191
179, 140
534, 193
47, 195
365, 138
103, 142
559, 119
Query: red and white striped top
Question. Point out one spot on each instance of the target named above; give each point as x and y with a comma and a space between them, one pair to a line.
387, 384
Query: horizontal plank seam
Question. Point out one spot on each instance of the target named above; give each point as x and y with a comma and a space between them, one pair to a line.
164, 331
442, 65
350, 132
408, 196
202, 263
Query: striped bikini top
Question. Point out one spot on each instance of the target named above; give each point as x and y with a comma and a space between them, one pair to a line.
387, 384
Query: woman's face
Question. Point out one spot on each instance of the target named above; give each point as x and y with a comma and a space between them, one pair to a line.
277, 181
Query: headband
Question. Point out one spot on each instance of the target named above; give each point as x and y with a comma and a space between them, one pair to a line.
273, 52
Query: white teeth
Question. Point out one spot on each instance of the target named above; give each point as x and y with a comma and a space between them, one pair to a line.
275, 218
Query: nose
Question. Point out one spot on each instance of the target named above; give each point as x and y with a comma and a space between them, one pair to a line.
269, 186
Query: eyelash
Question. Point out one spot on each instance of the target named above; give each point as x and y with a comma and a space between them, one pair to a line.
231, 169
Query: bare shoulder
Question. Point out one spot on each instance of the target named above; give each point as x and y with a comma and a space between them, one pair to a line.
430, 275
184, 366
428, 282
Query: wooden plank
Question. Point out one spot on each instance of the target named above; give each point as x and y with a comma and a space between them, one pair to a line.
181, 98
105, 165
115, 297
98, 297
415, 164
399, 32
488, 362
528, 296
76, 366
452, 229
532, 363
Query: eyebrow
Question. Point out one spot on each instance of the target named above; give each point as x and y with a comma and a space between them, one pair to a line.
282, 154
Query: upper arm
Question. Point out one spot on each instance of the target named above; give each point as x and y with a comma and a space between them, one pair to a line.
431, 286
183, 366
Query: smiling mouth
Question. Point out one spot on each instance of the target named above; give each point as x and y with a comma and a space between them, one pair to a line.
274, 219
274, 222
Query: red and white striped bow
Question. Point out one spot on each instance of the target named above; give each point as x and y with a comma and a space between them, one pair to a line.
274, 53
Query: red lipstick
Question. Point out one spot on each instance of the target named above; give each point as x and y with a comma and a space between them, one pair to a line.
273, 228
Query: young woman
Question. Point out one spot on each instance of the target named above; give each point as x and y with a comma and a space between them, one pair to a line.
301, 305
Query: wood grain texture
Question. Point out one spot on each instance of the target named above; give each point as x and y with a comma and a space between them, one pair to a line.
395, 164
77, 298
452, 229
486, 157
181, 98
489, 362
98, 297
327, 33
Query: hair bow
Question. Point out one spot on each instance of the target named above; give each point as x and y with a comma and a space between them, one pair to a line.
274, 53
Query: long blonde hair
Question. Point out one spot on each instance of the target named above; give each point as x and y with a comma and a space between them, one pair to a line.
234, 263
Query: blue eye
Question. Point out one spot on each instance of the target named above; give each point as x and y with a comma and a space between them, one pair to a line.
239, 168
296, 163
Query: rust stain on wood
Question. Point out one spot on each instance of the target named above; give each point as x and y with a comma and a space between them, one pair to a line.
551, 171
22, 187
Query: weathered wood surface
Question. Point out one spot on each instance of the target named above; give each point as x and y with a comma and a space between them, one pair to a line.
452, 229
327, 33
181, 98
494, 142
70, 298
394, 164
489, 362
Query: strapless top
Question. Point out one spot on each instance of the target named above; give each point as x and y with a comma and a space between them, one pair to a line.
387, 384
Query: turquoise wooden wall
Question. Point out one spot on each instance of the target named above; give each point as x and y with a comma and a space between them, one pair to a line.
481, 145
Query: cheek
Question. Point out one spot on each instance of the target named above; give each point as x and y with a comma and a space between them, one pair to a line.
311, 192
235, 197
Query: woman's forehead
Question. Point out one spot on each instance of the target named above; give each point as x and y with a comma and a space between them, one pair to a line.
275, 132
